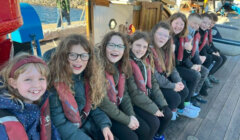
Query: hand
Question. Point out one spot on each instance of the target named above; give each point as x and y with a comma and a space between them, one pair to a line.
181, 85
107, 134
133, 124
202, 58
195, 67
199, 68
216, 53
178, 87
159, 114
188, 45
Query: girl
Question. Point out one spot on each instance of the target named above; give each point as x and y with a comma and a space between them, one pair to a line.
166, 74
24, 100
144, 89
188, 72
114, 52
76, 90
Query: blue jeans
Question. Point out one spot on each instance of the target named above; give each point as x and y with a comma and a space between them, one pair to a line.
63, 14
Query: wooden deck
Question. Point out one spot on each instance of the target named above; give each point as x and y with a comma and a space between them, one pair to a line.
219, 119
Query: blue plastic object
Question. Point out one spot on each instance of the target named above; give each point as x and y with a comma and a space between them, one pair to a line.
31, 30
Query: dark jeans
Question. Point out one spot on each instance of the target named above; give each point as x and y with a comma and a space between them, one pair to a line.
62, 14
192, 79
204, 73
149, 124
220, 60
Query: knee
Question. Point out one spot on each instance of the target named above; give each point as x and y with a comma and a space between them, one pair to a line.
167, 113
196, 76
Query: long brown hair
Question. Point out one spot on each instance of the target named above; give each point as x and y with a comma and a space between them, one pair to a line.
143, 35
177, 15
124, 62
60, 71
165, 50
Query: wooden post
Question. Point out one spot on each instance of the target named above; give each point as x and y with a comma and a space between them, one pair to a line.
87, 19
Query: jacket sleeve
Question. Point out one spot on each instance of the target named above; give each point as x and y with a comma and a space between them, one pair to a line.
175, 77
61, 122
3, 133
113, 111
126, 104
157, 95
139, 98
163, 81
100, 118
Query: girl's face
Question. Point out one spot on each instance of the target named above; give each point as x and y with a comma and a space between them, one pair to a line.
205, 24
31, 84
161, 37
78, 59
139, 48
178, 25
115, 49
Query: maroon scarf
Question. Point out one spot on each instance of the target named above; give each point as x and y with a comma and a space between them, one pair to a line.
205, 39
69, 103
196, 40
114, 95
139, 77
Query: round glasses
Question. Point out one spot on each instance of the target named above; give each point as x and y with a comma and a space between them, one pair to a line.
74, 56
113, 46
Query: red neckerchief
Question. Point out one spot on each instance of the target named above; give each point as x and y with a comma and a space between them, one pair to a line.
69, 104
196, 40
114, 95
205, 39
139, 77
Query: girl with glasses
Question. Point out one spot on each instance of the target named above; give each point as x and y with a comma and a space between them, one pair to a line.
76, 89
126, 125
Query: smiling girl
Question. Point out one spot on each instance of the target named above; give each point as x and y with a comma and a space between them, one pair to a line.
76, 90
24, 100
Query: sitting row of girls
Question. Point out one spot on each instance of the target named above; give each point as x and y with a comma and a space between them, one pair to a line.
125, 89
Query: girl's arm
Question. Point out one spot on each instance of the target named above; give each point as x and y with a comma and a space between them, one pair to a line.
163, 81
175, 77
113, 111
139, 98
100, 118
156, 94
61, 122
126, 104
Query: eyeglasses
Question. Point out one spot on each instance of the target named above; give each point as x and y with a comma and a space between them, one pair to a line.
113, 46
163, 35
74, 56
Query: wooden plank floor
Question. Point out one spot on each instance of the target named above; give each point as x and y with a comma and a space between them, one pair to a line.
219, 119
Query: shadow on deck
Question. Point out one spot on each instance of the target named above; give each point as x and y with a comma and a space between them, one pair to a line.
219, 119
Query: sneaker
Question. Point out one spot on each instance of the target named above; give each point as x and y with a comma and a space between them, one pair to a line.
201, 100
193, 107
187, 112
174, 116
195, 103
159, 137
208, 83
213, 79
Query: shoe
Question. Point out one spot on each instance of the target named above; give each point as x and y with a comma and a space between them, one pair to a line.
159, 137
187, 112
208, 83
201, 100
193, 107
195, 103
174, 116
213, 79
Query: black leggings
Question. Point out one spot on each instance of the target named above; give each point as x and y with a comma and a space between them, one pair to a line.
173, 98
164, 121
122, 131
149, 124
192, 79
